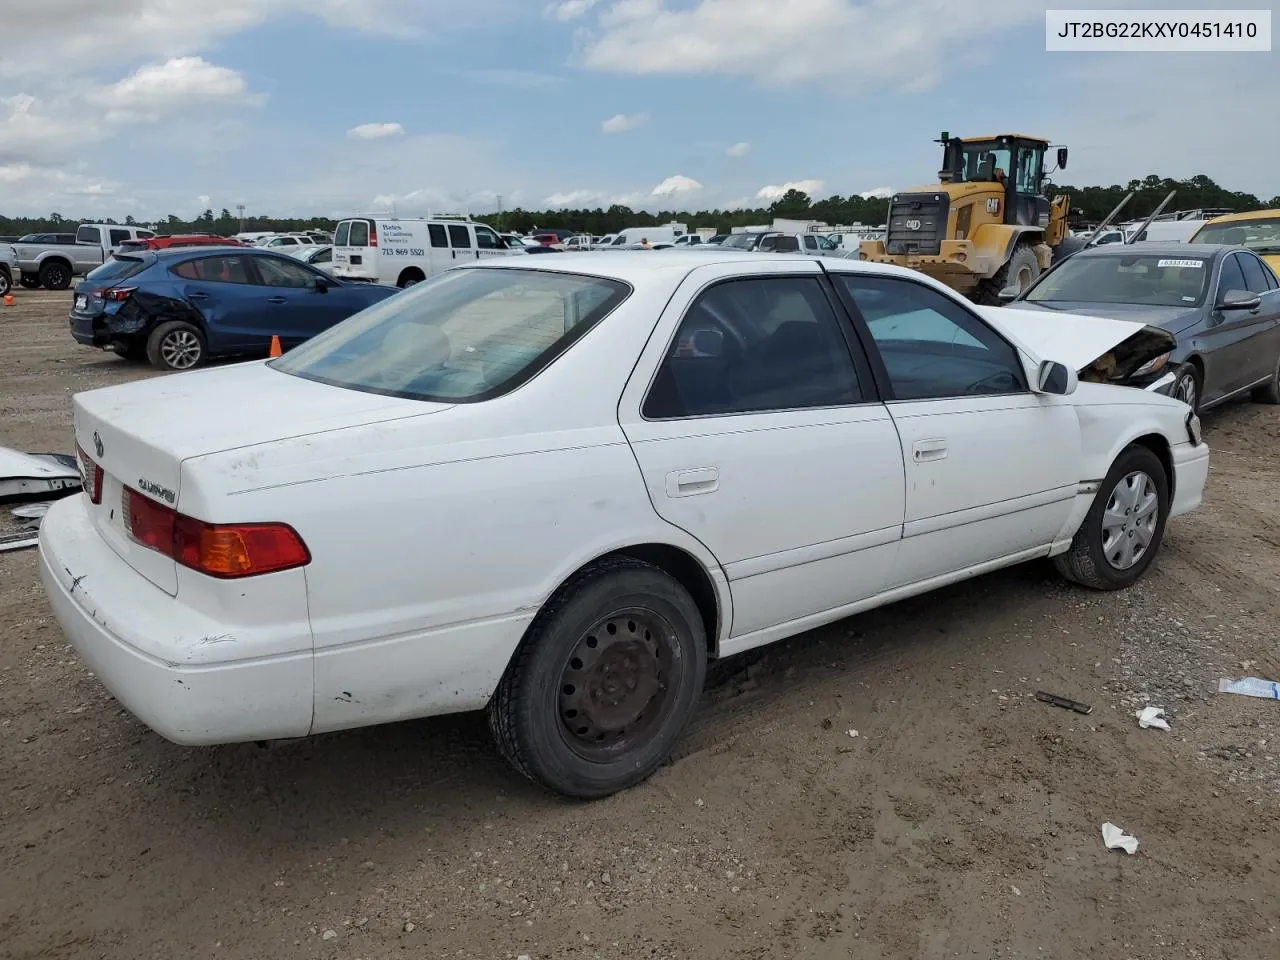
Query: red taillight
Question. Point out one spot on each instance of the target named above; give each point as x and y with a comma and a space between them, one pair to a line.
90, 476
225, 550
118, 294
373, 234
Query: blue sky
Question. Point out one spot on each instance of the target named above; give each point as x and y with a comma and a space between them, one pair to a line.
331, 106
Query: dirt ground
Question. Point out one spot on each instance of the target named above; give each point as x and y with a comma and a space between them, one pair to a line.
963, 819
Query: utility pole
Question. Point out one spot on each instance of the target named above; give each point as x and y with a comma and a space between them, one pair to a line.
499, 212
240, 210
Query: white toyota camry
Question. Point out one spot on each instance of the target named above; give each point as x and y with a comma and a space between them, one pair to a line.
554, 490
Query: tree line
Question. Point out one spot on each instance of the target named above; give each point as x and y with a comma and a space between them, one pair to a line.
1088, 204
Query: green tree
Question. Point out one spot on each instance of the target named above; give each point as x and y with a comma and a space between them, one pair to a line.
792, 205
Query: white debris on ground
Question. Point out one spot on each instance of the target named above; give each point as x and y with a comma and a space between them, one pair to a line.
1149, 717
1116, 839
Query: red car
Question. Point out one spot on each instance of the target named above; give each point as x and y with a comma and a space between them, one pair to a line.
178, 240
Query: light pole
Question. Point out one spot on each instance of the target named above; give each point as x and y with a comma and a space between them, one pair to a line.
240, 210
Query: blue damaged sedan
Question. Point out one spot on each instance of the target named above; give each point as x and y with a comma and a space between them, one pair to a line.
1222, 303
178, 308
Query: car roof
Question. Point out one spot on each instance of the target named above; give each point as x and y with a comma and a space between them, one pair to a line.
1250, 215
1156, 248
639, 266
205, 249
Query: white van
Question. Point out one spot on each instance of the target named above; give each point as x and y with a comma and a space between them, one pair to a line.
405, 251
634, 235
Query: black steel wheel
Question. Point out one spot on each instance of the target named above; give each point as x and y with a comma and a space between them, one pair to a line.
55, 275
604, 681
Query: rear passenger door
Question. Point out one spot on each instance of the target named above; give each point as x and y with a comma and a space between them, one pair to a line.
757, 428
992, 469
225, 292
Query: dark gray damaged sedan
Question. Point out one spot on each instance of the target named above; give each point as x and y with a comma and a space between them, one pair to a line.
1222, 304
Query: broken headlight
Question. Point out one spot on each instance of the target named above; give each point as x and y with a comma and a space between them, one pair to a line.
1152, 366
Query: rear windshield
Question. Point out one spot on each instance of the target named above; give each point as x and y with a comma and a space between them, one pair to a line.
742, 241
1165, 281
116, 269
1260, 236
462, 336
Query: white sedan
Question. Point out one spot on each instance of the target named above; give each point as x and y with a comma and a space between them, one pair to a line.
554, 489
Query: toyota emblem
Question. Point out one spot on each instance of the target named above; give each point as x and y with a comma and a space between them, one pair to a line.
913, 224
97, 444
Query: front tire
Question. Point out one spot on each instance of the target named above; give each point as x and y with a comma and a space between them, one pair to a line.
1023, 268
1124, 527
1187, 387
6, 282
176, 345
603, 682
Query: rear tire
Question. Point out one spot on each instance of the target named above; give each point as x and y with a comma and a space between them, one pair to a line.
55, 276
1023, 267
409, 277
6, 282
176, 345
603, 682
1105, 553
29, 282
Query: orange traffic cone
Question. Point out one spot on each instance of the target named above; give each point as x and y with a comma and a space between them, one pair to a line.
8, 299
275, 346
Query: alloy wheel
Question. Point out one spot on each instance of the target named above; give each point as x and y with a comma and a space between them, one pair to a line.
180, 350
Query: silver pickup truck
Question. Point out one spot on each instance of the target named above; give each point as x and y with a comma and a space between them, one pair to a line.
8, 267
51, 260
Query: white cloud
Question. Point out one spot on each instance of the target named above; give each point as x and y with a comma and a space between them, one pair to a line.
675, 186
565, 10
739, 150
622, 122
375, 131
203, 200
573, 198
153, 91
774, 191
789, 41
879, 193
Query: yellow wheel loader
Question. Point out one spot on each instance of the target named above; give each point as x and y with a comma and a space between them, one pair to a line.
986, 225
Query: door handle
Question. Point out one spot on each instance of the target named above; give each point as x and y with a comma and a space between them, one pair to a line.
690, 483
197, 295
922, 451
277, 300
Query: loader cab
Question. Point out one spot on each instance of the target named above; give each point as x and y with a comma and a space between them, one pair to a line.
1012, 161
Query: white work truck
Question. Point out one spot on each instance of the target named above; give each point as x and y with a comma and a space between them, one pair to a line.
404, 251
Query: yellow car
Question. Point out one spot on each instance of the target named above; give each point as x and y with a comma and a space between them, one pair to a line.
1259, 230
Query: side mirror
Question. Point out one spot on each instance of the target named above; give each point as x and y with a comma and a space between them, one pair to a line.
320, 284
1056, 378
1062, 158
1009, 293
1239, 300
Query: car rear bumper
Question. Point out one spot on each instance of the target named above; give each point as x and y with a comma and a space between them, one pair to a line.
88, 330
152, 652
1190, 473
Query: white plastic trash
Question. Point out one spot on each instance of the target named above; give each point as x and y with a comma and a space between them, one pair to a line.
1117, 839
1251, 687
1152, 717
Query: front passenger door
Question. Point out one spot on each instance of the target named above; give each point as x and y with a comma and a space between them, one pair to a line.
992, 468
299, 303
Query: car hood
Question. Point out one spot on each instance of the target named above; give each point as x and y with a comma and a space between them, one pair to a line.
1173, 319
1113, 346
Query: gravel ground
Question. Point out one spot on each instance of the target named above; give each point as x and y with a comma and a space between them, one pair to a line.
963, 819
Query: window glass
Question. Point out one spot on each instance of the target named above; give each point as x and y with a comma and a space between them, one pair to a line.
215, 270
1028, 176
1273, 282
281, 273
1261, 236
780, 244
1231, 278
342, 237
88, 235
932, 347
459, 237
116, 269
145, 234
462, 335
438, 237
979, 162
754, 345
810, 242
118, 237
1253, 275
486, 239
359, 233
1152, 279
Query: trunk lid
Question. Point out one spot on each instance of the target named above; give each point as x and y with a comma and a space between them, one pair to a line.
140, 433
1081, 341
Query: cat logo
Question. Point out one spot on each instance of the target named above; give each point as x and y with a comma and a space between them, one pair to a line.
913, 224
993, 205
